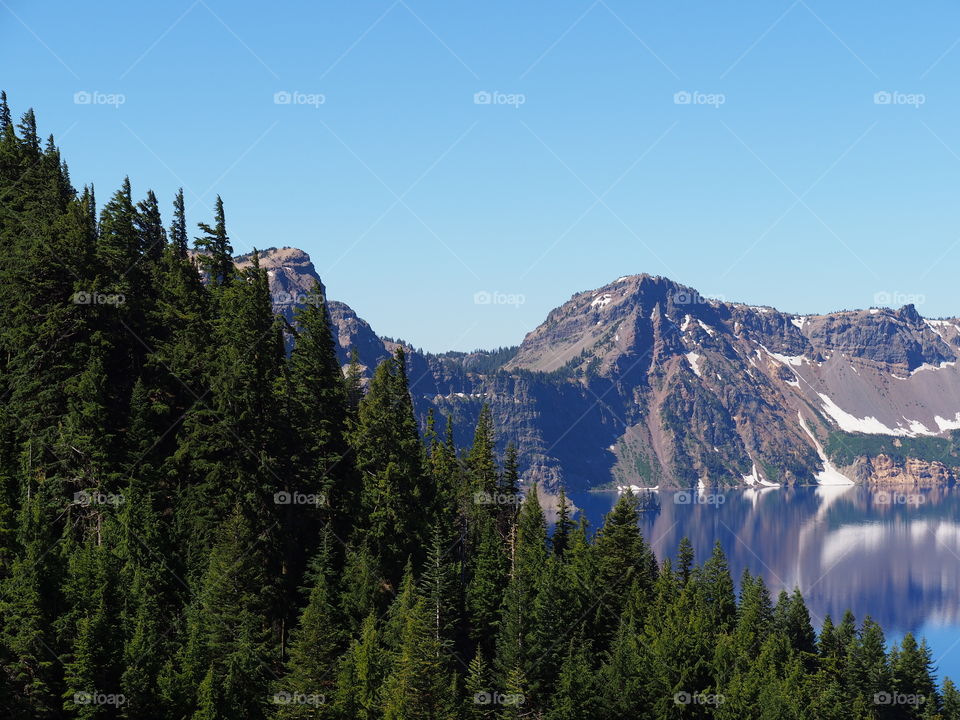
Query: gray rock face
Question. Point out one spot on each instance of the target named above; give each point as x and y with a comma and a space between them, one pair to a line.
292, 276
645, 382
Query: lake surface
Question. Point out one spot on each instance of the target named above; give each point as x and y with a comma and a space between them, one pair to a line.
892, 555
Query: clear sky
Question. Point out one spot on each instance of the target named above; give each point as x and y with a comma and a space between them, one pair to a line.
783, 180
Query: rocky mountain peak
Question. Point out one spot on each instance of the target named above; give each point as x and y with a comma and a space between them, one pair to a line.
909, 314
292, 276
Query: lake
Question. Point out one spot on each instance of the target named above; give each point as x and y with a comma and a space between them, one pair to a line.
894, 555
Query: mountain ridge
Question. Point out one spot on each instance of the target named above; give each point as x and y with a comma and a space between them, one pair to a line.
644, 382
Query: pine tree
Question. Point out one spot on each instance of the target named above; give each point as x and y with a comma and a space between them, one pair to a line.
478, 694
153, 238
868, 671
230, 451
754, 618
951, 700
685, 559
557, 611
353, 385
620, 680
315, 647
315, 396
361, 675
90, 627
231, 645
513, 700
625, 566
440, 588
529, 558
576, 693
396, 498
179, 242
564, 525
481, 459
488, 568
716, 590
362, 586
911, 671
215, 251
418, 684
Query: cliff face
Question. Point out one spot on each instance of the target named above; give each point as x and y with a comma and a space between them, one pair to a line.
292, 276
645, 382
886, 471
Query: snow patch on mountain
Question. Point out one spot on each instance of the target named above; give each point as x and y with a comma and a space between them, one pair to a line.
944, 424
829, 475
871, 425
602, 301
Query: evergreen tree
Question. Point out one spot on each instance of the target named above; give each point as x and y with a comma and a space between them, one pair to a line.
576, 693
179, 242
215, 251
481, 459
625, 566
529, 558
396, 498
418, 684
564, 525
361, 675
230, 645
478, 694
488, 568
951, 700
620, 679
315, 647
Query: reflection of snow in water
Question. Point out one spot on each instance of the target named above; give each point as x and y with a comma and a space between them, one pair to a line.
828, 496
753, 494
843, 541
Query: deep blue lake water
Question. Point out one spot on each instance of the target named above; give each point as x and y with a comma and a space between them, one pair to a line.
895, 557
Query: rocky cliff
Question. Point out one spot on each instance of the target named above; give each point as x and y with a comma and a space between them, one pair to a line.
644, 382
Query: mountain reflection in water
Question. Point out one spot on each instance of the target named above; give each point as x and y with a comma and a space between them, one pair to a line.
892, 554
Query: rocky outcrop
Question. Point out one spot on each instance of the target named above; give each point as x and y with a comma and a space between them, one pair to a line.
884, 471
292, 277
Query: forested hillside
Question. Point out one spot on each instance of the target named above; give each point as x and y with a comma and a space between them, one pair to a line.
195, 523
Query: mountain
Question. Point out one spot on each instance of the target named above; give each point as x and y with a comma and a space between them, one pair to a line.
644, 382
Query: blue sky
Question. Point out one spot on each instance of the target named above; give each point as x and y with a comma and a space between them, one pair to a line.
785, 180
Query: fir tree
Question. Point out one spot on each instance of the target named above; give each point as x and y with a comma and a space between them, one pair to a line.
213, 246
